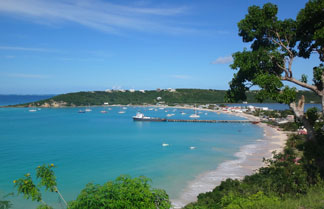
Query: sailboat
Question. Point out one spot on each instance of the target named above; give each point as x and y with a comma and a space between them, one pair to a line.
195, 115
88, 109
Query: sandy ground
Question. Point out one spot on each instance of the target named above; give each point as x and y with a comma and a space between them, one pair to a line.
249, 160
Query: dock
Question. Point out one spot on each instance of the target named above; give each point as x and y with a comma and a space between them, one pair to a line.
195, 120
212, 121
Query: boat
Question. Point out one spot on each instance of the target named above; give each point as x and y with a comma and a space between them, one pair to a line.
140, 117
81, 111
169, 115
183, 113
103, 111
165, 145
192, 147
195, 115
88, 109
32, 110
121, 112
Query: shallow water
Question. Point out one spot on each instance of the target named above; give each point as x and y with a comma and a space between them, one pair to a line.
96, 147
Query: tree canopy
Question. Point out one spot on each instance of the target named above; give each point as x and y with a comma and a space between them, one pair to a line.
274, 46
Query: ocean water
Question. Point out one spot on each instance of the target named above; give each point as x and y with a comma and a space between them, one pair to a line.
96, 147
21, 99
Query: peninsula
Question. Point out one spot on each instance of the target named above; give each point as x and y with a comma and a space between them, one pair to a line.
169, 97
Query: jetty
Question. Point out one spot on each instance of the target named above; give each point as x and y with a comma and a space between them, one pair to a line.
148, 119
212, 121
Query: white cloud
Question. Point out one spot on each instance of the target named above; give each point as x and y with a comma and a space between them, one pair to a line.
23, 75
184, 77
97, 14
223, 60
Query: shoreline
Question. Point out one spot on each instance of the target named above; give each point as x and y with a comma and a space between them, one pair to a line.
248, 160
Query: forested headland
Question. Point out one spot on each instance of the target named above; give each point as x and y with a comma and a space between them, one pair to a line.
179, 96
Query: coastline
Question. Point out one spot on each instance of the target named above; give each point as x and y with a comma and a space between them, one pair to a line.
249, 160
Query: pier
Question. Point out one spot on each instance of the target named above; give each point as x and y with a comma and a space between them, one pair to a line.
193, 120
212, 121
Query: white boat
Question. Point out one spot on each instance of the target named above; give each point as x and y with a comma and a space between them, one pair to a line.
192, 148
195, 115
170, 115
165, 145
121, 112
32, 110
103, 111
140, 117
124, 108
151, 109
88, 109
183, 113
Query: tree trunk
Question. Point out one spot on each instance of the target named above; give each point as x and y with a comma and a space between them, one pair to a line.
322, 96
299, 112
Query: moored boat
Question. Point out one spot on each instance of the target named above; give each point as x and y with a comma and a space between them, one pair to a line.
140, 117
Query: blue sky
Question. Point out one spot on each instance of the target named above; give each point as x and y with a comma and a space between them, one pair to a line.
83, 45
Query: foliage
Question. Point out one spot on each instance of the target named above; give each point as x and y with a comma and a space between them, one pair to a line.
310, 29
274, 46
181, 96
292, 126
27, 187
124, 192
289, 175
258, 200
47, 177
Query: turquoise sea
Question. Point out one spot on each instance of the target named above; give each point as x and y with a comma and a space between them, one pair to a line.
97, 147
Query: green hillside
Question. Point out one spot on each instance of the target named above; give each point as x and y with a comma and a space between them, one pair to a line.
180, 96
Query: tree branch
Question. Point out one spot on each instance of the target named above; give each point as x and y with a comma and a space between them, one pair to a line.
302, 84
283, 45
291, 58
284, 69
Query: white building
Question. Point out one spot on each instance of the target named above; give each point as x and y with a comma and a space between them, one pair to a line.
132, 90
143, 91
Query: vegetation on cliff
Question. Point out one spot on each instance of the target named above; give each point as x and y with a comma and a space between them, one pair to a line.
180, 96
292, 179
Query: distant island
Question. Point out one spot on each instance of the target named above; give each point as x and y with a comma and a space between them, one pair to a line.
148, 97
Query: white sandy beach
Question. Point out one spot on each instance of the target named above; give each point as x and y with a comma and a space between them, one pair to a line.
249, 160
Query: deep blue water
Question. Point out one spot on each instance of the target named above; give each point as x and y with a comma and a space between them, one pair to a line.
21, 99
96, 147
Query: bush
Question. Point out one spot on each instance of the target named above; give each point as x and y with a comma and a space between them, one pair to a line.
124, 192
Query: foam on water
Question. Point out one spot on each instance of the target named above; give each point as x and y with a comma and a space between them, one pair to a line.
248, 159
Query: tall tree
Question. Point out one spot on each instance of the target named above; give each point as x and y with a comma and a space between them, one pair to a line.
274, 46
